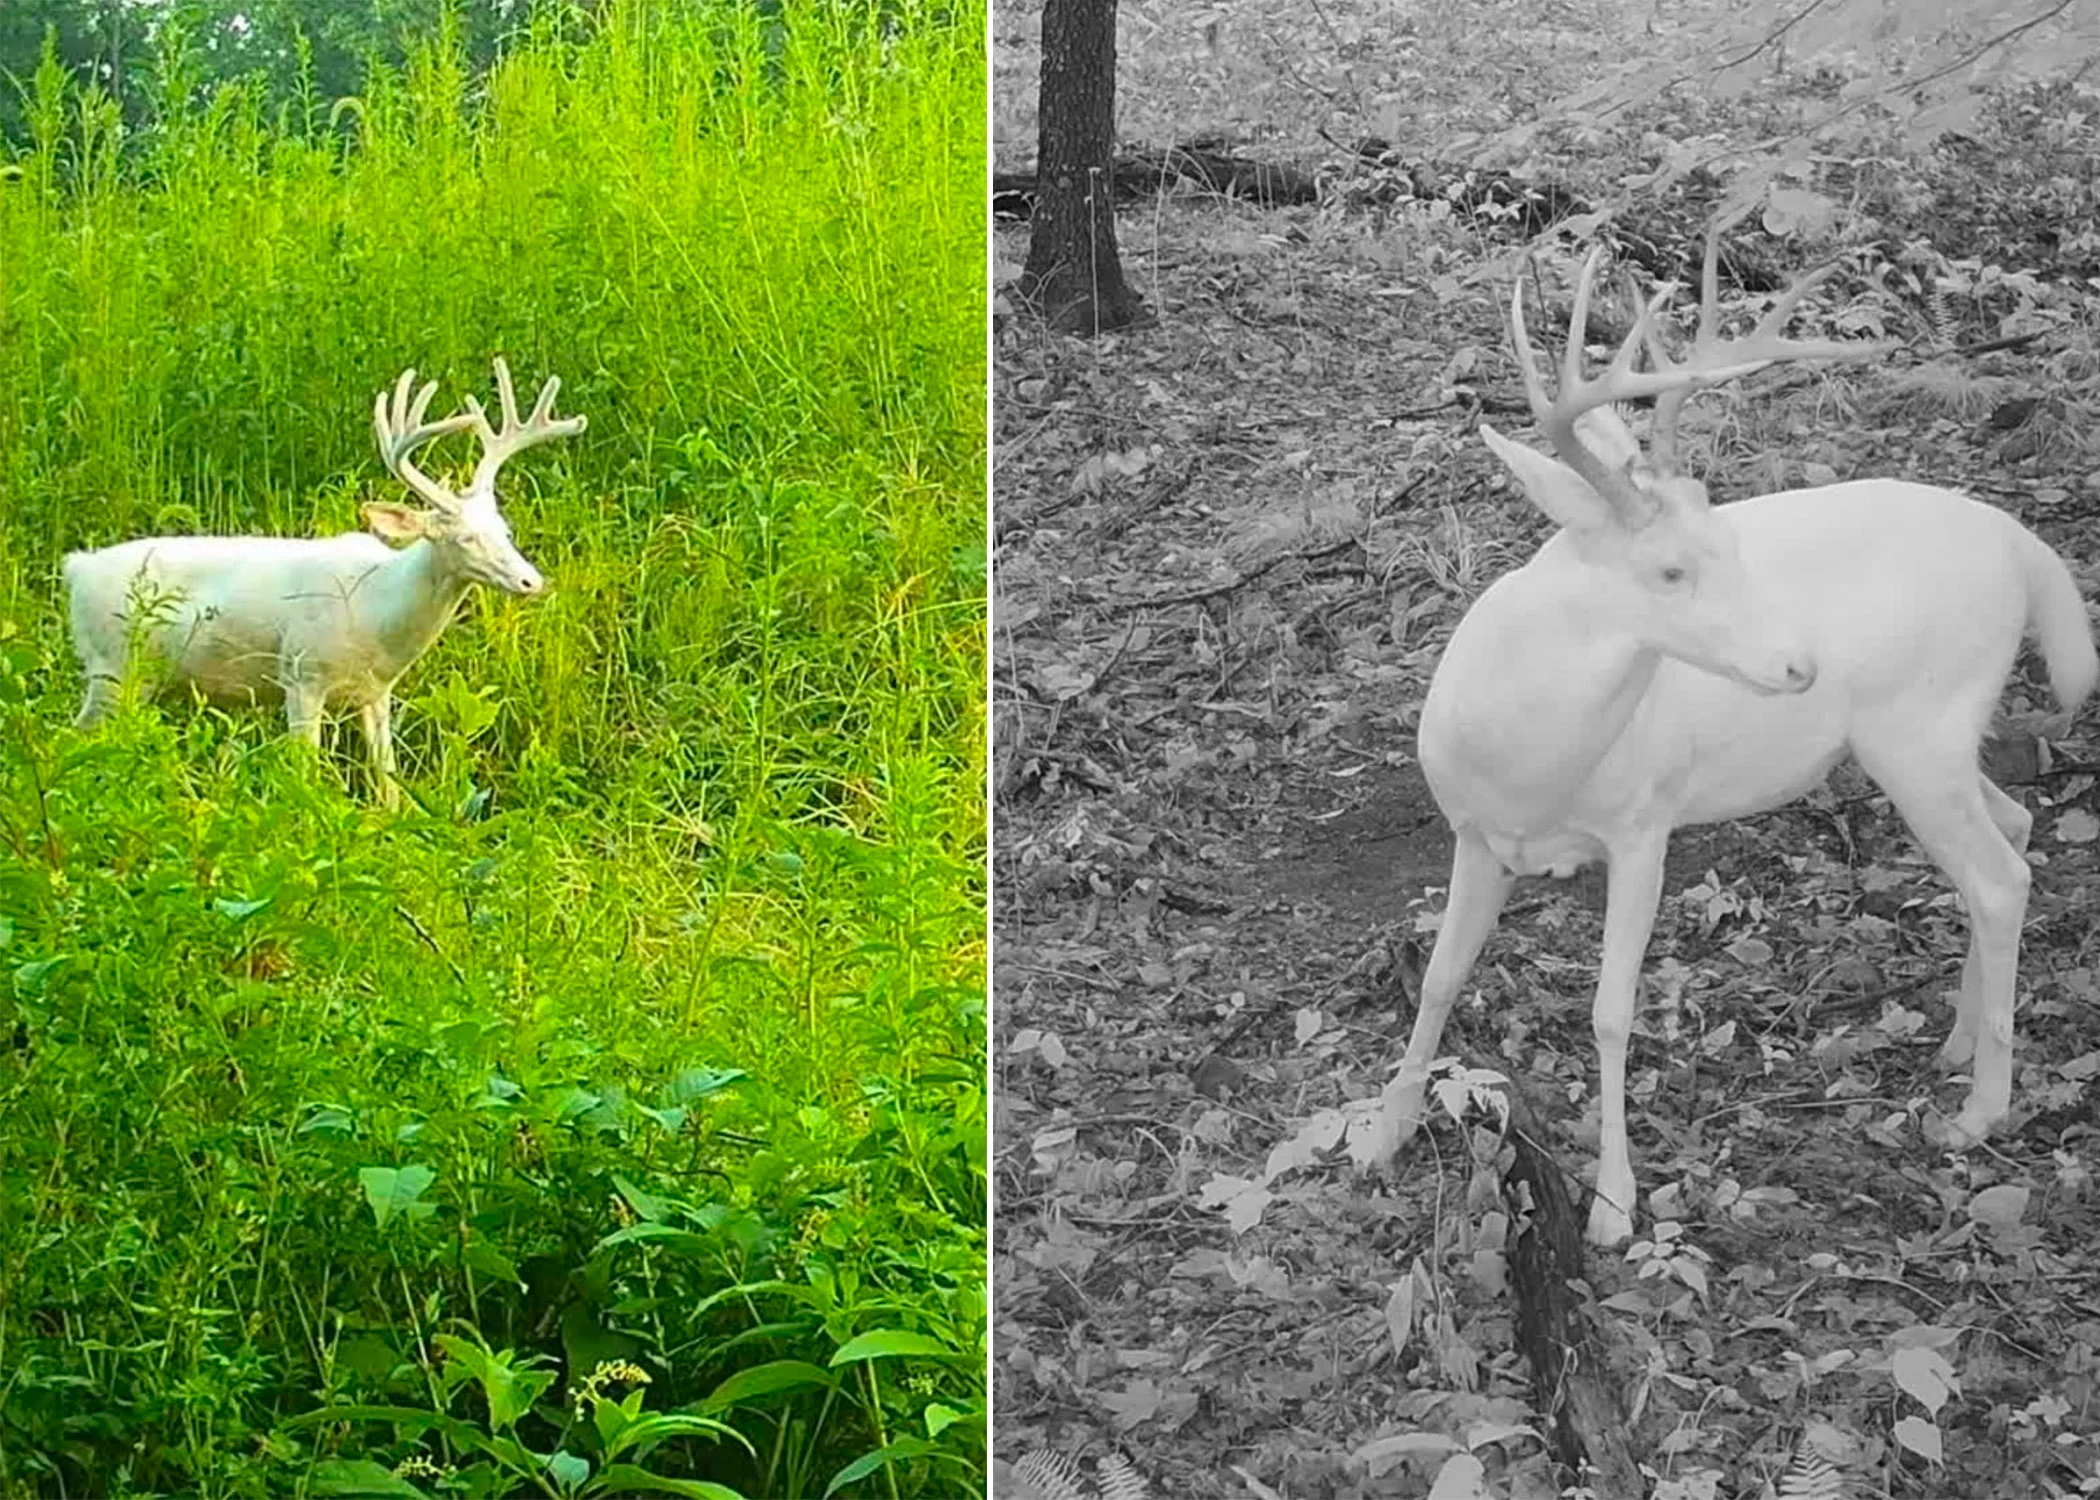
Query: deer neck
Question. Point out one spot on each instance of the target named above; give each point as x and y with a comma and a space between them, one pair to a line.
412, 598
1573, 682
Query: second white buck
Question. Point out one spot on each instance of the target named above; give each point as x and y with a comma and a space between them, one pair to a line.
1662, 662
316, 624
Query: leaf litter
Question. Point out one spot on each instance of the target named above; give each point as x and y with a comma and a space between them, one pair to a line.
1231, 546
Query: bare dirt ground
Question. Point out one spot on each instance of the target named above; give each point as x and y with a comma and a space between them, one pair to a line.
1231, 545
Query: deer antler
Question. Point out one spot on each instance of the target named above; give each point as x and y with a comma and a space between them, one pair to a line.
401, 430
498, 447
1711, 361
1760, 348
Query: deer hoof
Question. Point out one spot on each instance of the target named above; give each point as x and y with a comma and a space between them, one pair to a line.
1376, 1147
1957, 1134
1609, 1224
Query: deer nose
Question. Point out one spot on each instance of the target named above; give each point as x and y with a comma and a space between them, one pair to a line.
1800, 674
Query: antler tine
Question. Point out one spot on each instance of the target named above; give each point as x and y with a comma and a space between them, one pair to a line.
1527, 362
1714, 360
498, 447
1558, 415
1579, 322
1709, 286
1662, 434
543, 409
506, 393
400, 430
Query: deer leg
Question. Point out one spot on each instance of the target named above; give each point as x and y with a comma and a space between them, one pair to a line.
2011, 819
95, 707
1633, 888
378, 718
1971, 834
1479, 888
304, 703
2016, 823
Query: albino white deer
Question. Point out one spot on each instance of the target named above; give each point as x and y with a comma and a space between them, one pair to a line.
1660, 662
323, 623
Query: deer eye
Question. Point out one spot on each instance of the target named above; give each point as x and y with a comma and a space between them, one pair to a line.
1673, 575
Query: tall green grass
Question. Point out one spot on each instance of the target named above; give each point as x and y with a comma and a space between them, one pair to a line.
620, 1103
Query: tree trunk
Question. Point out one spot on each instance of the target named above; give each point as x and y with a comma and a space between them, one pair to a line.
113, 23
1074, 276
1575, 1377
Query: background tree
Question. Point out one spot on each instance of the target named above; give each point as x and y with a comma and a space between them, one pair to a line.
1926, 66
297, 51
105, 43
1073, 274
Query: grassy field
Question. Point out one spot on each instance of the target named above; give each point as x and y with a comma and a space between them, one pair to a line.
616, 1109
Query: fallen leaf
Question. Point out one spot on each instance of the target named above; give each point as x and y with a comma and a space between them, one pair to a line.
2077, 827
1751, 952
1920, 1436
2000, 1207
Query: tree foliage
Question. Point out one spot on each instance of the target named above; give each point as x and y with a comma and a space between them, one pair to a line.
1917, 68
296, 50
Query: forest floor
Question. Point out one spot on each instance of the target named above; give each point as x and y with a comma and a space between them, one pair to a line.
1230, 546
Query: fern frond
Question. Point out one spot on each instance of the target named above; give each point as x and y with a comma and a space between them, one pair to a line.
1945, 317
1055, 1476
1120, 1480
1812, 1477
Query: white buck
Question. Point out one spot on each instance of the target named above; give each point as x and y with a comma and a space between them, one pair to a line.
1661, 662
317, 624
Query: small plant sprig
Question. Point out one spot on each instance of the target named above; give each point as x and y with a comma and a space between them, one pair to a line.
1669, 1253
619, 1434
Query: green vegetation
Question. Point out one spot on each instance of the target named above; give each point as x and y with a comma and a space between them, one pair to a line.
610, 1120
284, 47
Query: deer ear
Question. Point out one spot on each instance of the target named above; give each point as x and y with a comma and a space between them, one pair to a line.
1552, 486
397, 523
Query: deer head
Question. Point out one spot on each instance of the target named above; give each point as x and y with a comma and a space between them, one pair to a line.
466, 525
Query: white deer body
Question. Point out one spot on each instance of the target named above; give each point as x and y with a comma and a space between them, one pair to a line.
1909, 598
1660, 662
315, 625
318, 624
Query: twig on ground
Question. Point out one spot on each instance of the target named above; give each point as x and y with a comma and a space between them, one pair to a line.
1218, 590
1993, 346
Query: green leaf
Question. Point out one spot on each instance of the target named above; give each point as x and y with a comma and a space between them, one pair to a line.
482, 1256
883, 1457
682, 1241
628, 1479
240, 910
510, 1383
348, 1478
646, 1205
328, 1119
396, 1191
671, 1120
890, 1343
568, 1470
769, 1379
612, 1418
413, 1420
649, 1430
697, 1083
30, 977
